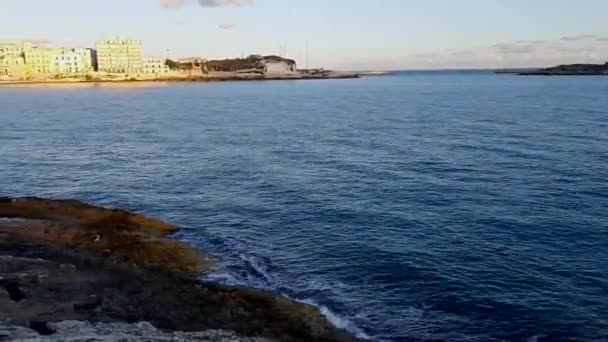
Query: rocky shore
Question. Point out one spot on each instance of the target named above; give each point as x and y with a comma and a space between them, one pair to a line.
70, 271
78, 331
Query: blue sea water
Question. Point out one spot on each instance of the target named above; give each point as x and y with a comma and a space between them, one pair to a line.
414, 207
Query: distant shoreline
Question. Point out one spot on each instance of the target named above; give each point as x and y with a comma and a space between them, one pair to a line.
561, 70
186, 79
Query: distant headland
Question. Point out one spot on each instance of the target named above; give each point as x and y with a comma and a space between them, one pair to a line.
562, 70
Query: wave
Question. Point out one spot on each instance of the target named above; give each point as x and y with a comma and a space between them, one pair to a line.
338, 321
265, 279
238, 268
259, 276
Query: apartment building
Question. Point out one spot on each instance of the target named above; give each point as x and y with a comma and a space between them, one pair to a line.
120, 55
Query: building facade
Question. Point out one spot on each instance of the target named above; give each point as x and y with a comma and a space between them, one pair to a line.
279, 65
155, 66
40, 60
193, 61
72, 62
12, 60
25, 60
275, 67
15, 49
120, 55
59, 61
13, 67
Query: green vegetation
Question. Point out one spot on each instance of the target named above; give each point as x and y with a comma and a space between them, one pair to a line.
251, 63
232, 65
173, 65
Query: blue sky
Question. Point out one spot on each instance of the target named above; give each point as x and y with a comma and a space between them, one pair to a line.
341, 34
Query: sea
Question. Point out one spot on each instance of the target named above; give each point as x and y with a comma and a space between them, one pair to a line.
419, 206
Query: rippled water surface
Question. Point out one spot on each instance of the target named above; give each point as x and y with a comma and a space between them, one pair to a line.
416, 207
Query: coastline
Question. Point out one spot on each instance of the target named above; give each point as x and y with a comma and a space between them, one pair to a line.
559, 74
186, 79
561, 70
67, 261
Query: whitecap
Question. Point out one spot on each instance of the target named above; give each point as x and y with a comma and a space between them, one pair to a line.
339, 322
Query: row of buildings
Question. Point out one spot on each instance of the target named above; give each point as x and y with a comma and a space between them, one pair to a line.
122, 58
25, 60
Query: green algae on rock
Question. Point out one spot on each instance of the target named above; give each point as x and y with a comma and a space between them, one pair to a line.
78, 212
117, 234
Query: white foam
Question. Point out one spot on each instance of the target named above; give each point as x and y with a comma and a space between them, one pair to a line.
266, 281
338, 321
259, 268
224, 278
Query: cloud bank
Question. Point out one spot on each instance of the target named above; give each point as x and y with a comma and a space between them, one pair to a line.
579, 38
39, 40
36, 40
519, 53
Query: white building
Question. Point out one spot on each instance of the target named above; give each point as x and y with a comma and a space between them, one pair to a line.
12, 67
15, 49
279, 65
120, 55
72, 62
155, 66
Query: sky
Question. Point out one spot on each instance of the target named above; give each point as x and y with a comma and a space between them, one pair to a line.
335, 34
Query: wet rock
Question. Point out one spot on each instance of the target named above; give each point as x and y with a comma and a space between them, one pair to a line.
16, 333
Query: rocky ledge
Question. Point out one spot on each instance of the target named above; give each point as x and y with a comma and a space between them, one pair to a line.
71, 271
78, 331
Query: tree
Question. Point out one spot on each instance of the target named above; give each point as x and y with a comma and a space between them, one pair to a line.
173, 65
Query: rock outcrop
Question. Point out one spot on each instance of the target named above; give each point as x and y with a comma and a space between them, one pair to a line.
77, 331
97, 265
73, 211
116, 234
